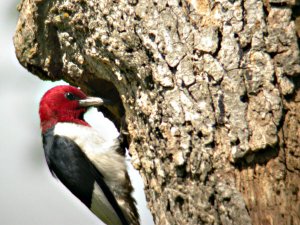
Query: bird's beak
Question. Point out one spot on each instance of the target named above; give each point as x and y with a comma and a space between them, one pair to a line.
91, 101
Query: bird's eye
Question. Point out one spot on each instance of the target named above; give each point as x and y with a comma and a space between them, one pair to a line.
70, 96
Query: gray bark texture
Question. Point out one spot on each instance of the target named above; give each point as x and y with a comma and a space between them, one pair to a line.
206, 90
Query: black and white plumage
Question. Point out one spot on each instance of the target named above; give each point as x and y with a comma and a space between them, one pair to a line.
90, 166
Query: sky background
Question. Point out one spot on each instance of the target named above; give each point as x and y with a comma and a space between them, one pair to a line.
28, 193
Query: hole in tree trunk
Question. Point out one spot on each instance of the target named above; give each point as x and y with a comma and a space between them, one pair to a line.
105, 89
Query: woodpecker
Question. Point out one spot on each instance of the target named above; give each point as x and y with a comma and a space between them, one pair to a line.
90, 166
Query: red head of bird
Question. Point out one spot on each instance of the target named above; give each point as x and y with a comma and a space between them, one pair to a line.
65, 103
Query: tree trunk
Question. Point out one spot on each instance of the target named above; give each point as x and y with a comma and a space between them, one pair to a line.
209, 90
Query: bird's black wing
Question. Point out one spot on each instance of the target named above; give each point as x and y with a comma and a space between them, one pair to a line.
71, 166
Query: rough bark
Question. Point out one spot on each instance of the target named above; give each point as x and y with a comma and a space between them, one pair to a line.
209, 90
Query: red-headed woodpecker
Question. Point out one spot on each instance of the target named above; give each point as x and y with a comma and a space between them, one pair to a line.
91, 167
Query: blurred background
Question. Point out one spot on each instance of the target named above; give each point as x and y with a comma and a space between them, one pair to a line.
28, 193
